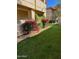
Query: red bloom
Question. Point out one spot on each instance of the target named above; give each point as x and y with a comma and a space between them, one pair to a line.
45, 20
33, 23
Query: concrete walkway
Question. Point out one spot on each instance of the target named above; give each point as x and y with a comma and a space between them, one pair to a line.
33, 33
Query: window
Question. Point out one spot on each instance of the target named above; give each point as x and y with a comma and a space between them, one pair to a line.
22, 14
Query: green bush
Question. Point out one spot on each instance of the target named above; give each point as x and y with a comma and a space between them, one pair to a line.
27, 27
39, 17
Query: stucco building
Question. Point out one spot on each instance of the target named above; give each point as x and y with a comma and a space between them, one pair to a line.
27, 9
50, 12
54, 13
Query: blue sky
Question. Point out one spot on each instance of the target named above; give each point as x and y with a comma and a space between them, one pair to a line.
52, 3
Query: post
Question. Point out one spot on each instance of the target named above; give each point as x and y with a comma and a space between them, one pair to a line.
35, 10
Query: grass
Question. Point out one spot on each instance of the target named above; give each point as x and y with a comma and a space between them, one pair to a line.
46, 45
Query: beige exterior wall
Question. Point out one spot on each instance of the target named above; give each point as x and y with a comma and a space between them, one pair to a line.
34, 4
29, 3
33, 14
26, 10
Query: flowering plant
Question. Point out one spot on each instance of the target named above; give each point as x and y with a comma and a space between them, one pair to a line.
45, 20
33, 24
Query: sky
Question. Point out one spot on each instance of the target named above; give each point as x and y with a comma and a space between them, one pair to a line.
52, 3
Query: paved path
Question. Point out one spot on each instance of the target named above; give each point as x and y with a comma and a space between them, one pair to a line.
33, 33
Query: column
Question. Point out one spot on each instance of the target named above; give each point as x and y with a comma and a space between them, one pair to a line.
33, 14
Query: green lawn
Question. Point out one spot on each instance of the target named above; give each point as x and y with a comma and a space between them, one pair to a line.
46, 45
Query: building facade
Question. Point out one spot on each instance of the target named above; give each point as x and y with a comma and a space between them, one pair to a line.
50, 13
27, 9
53, 13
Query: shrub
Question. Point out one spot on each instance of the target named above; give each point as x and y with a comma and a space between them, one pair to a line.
50, 21
44, 21
28, 26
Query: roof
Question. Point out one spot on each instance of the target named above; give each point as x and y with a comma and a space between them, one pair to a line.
51, 8
55, 8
